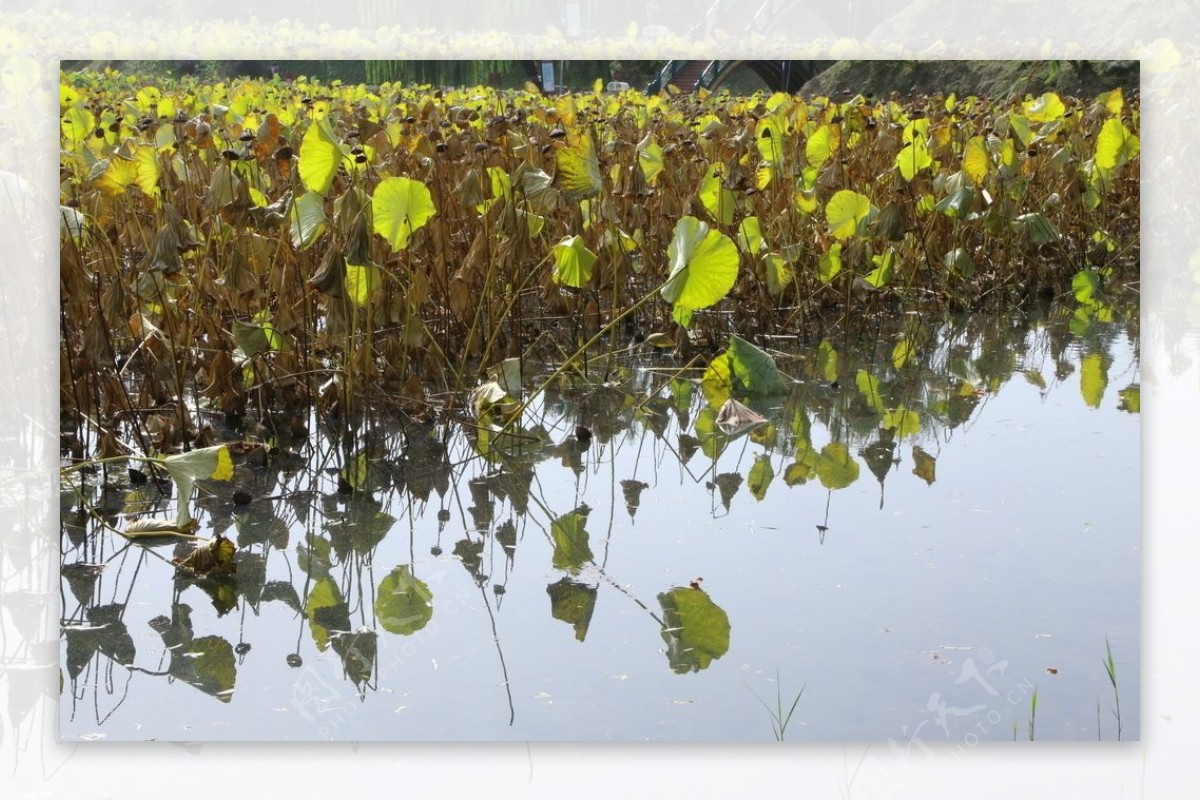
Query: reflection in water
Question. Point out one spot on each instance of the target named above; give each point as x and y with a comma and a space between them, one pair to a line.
346, 537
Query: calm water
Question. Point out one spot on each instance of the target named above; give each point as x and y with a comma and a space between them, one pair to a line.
919, 576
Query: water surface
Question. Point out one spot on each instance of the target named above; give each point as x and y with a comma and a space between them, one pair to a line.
920, 550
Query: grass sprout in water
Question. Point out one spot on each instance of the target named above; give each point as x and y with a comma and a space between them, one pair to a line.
780, 719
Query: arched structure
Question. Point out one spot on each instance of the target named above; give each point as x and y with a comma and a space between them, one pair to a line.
779, 76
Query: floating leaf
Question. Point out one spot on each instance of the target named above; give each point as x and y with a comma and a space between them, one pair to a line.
761, 474
401, 206
836, 467
695, 629
752, 369
573, 603
326, 611
925, 466
357, 650
404, 604
573, 262
209, 665
1093, 379
570, 538
704, 265
1131, 399
902, 421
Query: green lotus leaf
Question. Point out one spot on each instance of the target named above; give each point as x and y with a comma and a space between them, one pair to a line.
830, 263
750, 235
1047, 108
401, 206
570, 538
885, 268
320, 155
820, 146
573, 262
835, 467
363, 283
752, 369
308, 220
844, 211
404, 603
779, 273
1093, 379
1115, 145
209, 665
913, 158
761, 474
650, 158
976, 160
212, 463
695, 629
704, 265
1086, 286
716, 199
577, 171
573, 603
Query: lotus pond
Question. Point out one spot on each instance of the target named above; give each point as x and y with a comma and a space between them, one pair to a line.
676, 575
396, 412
